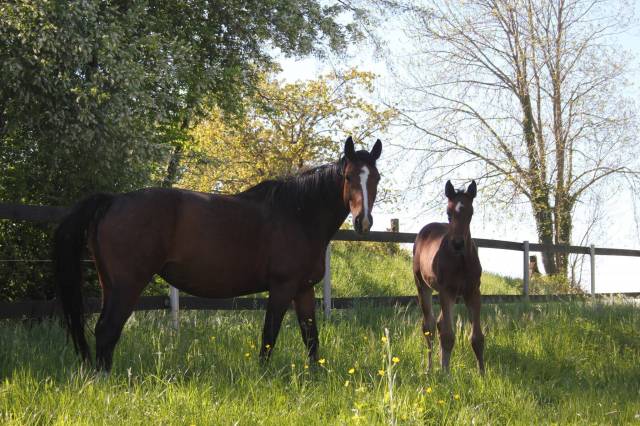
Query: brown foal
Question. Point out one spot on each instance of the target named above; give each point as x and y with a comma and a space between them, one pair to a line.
445, 259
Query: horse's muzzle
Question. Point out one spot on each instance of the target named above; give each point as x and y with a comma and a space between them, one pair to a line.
458, 245
362, 224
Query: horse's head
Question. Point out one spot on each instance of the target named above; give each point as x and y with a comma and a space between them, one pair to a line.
459, 211
361, 179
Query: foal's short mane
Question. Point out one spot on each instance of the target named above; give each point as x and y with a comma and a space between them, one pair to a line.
310, 189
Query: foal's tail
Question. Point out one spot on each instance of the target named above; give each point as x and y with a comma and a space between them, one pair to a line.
69, 246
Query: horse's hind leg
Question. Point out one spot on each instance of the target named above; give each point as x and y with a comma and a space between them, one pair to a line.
118, 303
477, 338
445, 328
428, 320
305, 304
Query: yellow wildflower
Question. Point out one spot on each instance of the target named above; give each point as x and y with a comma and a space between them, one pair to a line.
395, 359
352, 370
247, 354
429, 390
456, 396
381, 372
346, 383
440, 401
321, 361
384, 339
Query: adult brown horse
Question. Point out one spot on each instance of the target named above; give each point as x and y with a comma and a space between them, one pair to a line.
272, 237
445, 259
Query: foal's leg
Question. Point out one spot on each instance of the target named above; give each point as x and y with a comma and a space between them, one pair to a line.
428, 320
276, 308
305, 304
477, 338
445, 328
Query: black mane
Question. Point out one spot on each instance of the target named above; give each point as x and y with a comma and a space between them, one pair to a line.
309, 190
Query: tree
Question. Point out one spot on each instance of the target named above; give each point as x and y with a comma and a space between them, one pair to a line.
285, 127
531, 94
99, 95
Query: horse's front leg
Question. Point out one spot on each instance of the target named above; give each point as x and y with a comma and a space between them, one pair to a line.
477, 338
305, 304
276, 308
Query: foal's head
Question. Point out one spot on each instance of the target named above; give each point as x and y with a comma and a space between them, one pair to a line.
361, 179
459, 211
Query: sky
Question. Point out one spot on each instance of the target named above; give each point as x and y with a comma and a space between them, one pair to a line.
617, 230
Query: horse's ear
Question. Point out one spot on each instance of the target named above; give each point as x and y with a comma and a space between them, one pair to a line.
449, 190
349, 149
472, 189
376, 150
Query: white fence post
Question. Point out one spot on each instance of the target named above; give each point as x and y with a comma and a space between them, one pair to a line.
592, 256
326, 283
525, 270
174, 300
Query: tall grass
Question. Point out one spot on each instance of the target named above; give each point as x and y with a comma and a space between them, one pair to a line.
555, 363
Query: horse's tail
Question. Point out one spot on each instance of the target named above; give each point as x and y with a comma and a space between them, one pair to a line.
69, 246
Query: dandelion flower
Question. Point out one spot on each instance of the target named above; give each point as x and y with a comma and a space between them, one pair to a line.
321, 361
381, 372
268, 346
293, 365
352, 370
253, 346
247, 354
429, 390
456, 396
395, 359
306, 367
346, 383
427, 333
440, 401
384, 339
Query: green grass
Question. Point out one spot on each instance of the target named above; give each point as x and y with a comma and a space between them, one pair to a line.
374, 269
564, 363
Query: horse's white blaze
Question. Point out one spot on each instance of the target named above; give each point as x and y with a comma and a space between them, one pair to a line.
364, 177
459, 206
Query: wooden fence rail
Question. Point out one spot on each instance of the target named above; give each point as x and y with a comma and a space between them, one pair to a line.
50, 308
18, 212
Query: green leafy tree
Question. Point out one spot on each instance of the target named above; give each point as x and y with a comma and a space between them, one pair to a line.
99, 95
285, 128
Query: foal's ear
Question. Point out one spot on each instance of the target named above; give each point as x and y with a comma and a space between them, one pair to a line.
449, 190
472, 189
376, 150
349, 149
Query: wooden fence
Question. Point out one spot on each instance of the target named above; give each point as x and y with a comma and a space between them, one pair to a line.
16, 212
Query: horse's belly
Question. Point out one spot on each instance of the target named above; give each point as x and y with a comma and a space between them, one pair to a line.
214, 280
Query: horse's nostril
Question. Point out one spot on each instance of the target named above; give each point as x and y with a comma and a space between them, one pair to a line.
458, 244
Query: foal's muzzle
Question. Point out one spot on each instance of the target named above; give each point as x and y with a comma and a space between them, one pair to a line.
362, 224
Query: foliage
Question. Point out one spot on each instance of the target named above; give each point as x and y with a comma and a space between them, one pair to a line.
556, 363
285, 127
95, 95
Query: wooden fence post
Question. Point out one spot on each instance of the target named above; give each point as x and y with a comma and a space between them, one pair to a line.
174, 300
525, 269
326, 283
592, 256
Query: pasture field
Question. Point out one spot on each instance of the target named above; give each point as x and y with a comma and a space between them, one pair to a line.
555, 363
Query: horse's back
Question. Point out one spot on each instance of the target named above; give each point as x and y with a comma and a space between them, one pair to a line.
209, 245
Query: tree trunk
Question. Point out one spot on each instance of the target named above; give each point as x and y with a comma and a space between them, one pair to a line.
172, 175
563, 228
